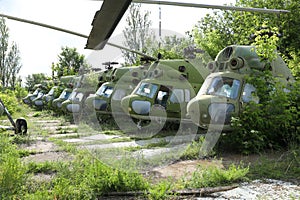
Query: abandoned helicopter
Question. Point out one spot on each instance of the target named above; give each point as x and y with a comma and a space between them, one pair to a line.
107, 19
123, 81
225, 90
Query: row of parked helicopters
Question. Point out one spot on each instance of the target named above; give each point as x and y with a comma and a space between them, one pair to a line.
169, 90
206, 94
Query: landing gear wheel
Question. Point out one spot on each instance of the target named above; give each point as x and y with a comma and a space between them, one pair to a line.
21, 126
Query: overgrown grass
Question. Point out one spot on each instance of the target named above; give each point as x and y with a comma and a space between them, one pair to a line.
88, 178
12, 172
283, 167
213, 176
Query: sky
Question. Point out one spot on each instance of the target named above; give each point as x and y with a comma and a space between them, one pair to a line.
40, 47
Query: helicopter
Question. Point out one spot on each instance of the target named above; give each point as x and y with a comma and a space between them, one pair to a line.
123, 81
82, 90
56, 90
166, 89
56, 103
225, 91
31, 96
107, 18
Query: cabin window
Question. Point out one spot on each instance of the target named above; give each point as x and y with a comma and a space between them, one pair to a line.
162, 96
118, 94
79, 96
41, 94
177, 96
223, 86
72, 96
64, 95
248, 93
147, 90
187, 95
105, 91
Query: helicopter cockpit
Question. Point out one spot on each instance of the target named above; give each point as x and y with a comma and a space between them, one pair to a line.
221, 86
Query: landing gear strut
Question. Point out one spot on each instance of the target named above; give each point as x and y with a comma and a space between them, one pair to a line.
20, 126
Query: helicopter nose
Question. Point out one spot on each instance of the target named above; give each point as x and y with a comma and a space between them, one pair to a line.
193, 111
125, 104
73, 108
99, 104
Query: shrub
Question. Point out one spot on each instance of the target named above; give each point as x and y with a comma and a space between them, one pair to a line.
272, 123
10, 101
213, 176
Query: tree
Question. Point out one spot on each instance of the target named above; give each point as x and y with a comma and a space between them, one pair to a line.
32, 80
9, 58
13, 66
171, 47
137, 33
224, 28
70, 62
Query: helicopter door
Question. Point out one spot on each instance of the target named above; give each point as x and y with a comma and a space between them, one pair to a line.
162, 96
178, 102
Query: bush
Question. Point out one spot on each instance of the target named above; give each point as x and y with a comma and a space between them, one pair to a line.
10, 101
213, 176
272, 123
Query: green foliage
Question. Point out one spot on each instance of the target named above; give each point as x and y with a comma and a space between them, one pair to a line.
223, 28
160, 191
293, 63
44, 167
272, 123
12, 171
10, 101
193, 150
266, 40
137, 33
171, 47
20, 92
35, 79
286, 166
88, 177
9, 58
213, 176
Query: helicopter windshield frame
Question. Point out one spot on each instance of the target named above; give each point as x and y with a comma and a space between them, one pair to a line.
105, 91
147, 89
221, 86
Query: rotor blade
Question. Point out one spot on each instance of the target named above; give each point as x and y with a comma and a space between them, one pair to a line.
224, 7
72, 33
105, 21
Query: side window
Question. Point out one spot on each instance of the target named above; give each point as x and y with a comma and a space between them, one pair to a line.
248, 93
177, 96
187, 95
79, 96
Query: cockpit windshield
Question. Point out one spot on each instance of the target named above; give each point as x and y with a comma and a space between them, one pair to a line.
72, 96
51, 92
36, 92
64, 95
221, 86
105, 91
147, 90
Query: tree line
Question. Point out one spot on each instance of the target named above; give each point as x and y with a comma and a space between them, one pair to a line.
10, 60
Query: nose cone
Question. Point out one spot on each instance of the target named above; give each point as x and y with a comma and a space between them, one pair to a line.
198, 110
89, 102
193, 111
125, 104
